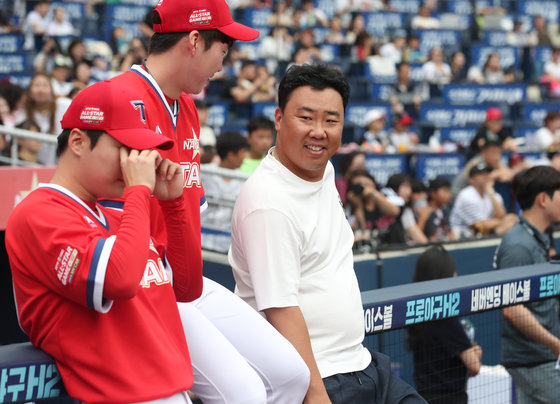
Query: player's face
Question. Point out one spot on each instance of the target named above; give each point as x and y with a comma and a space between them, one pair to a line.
207, 63
101, 168
309, 131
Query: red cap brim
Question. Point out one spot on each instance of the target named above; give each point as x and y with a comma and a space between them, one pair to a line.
141, 139
239, 31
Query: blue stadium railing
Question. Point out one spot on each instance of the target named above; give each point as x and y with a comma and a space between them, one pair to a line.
28, 374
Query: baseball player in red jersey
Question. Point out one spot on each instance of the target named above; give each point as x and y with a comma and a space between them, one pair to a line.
93, 288
237, 356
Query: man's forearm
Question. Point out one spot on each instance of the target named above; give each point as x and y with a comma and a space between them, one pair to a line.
289, 321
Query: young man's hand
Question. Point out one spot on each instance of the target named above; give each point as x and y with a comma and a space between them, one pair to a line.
139, 167
169, 180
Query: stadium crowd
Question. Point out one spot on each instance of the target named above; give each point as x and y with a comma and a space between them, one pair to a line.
409, 69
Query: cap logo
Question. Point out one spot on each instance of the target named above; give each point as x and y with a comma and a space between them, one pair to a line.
200, 17
92, 115
139, 105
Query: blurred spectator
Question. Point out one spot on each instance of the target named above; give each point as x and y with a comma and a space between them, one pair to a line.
457, 65
60, 76
490, 155
364, 46
231, 147
552, 67
81, 76
13, 94
260, 137
412, 52
276, 46
60, 25
356, 26
519, 37
403, 228
437, 226
402, 139
492, 72
375, 137
136, 52
301, 56
4, 112
101, 68
118, 43
424, 19
306, 39
35, 25
435, 71
539, 31
5, 23
355, 6
419, 202
348, 162
311, 16
394, 49
479, 209
336, 32
381, 66
77, 51
44, 60
365, 206
28, 149
492, 130
282, 15
444, 351
406, 95
549, 135
207, 137
41, 105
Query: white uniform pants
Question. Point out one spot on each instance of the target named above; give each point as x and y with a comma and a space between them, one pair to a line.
237, 356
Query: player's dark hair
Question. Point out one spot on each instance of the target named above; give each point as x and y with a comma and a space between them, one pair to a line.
318, 76
259, 122
163, 41
93, 135
527, 184
230, 141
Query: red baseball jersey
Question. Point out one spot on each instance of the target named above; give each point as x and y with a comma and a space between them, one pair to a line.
177, 119
62, 252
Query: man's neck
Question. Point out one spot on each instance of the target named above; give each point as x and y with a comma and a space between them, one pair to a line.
163, 75
537, 218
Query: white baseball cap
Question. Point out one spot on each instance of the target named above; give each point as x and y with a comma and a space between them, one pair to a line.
374, 115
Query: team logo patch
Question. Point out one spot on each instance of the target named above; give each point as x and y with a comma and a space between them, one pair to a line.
200, 17
92, 115
66, 264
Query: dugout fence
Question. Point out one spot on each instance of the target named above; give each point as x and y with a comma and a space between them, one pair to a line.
28, 374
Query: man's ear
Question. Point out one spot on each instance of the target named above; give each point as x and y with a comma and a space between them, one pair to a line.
78, 141
194, 42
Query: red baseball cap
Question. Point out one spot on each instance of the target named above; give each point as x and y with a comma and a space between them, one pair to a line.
493, 113
406, 120
190, 15
117, 110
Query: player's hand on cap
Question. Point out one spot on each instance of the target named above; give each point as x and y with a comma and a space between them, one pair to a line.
169, 180
139, 167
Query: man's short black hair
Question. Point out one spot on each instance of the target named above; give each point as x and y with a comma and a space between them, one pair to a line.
161, 42
528, 183
230, 141
62, 139
439, 182
317, 76
259, 122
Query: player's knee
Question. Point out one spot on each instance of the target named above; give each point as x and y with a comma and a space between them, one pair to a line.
291, 384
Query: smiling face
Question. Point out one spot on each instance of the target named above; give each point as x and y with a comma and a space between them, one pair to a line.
309, 131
